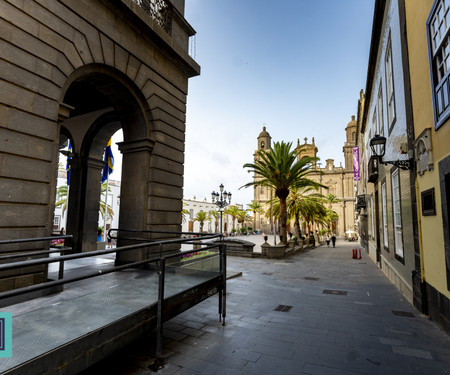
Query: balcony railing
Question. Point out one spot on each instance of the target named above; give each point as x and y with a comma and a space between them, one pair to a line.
160, 11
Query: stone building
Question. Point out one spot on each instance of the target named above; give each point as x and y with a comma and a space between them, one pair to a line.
338, 179
79, 70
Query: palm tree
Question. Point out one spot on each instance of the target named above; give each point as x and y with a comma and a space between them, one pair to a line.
215, 214
242, 217
300, 203
280, 170
184, 212
201, 217
233, 211
61, 198
330, 199
331, 216
255, 207
109, 210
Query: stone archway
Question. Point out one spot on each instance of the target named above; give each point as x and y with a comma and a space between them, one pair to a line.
103, 101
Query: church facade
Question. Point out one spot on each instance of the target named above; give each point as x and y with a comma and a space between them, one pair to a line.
338, 179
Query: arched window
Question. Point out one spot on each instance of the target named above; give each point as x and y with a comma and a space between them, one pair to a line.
262, 144
353, 136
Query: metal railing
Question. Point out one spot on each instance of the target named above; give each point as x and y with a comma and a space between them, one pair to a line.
145, 239
160, 11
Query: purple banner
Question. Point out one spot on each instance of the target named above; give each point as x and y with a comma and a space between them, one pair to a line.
356, 163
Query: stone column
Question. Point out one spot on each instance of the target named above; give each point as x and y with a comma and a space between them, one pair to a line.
84, 200
134, 193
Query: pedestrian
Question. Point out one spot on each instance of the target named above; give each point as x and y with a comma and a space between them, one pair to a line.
333, 240
328, 240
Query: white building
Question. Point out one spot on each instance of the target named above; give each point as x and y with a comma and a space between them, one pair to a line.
194, 206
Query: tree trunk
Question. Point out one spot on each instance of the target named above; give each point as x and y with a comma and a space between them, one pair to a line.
283, 220
297, 226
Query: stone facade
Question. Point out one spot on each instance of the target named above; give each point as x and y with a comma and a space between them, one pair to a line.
339, 181
79, 70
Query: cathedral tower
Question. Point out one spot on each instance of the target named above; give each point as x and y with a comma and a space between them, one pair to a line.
350, 132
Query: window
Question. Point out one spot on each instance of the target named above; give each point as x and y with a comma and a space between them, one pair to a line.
397, 213
380, 112
374, 122
353, 136
262, 191
438, 33
56, 222
262, 144
390, 94
385, 218
191, 214
371, 224
428, 202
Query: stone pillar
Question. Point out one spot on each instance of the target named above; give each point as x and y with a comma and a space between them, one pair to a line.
92, 203
84, 200
134, 193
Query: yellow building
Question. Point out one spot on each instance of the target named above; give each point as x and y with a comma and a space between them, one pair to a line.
428, 33
338, 179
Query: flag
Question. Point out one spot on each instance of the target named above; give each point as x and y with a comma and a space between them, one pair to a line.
68, 166
356, 163
109, 160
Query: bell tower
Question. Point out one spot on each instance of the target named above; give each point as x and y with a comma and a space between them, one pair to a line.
264, 140
350, 132
260, 193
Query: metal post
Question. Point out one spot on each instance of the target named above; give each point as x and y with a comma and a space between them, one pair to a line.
221, 289
61, 270
224, 289
159, 329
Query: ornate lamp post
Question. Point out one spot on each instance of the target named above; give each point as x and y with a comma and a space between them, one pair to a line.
221, 202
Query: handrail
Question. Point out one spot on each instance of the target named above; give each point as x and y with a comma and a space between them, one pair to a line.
159, 260
35, 239
64, 258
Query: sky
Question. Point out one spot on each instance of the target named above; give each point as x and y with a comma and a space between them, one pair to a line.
294, 66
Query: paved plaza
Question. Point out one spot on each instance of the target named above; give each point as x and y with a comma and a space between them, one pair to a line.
318, 312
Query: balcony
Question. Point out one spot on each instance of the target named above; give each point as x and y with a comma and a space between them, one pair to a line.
160, 11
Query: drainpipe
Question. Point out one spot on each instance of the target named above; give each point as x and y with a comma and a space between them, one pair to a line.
419, 224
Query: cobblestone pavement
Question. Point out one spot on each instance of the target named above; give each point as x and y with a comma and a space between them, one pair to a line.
336, 316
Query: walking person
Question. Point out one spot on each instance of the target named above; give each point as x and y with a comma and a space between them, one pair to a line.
328, 240
333, 240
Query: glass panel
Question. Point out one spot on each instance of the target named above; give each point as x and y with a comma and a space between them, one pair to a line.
398, 242
439, 99
445, 92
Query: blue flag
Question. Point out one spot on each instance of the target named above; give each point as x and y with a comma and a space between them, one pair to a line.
68, 166
109, 160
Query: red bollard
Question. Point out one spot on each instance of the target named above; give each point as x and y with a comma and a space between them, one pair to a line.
354, 256
359, 254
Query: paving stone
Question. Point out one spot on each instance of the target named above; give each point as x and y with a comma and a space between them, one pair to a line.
321, 334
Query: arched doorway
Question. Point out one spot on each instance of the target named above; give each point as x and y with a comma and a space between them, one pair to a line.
102, 101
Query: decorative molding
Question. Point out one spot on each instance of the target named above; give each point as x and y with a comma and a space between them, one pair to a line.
423, 152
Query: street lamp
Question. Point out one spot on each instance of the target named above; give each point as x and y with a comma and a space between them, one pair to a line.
378, 146
221, 202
